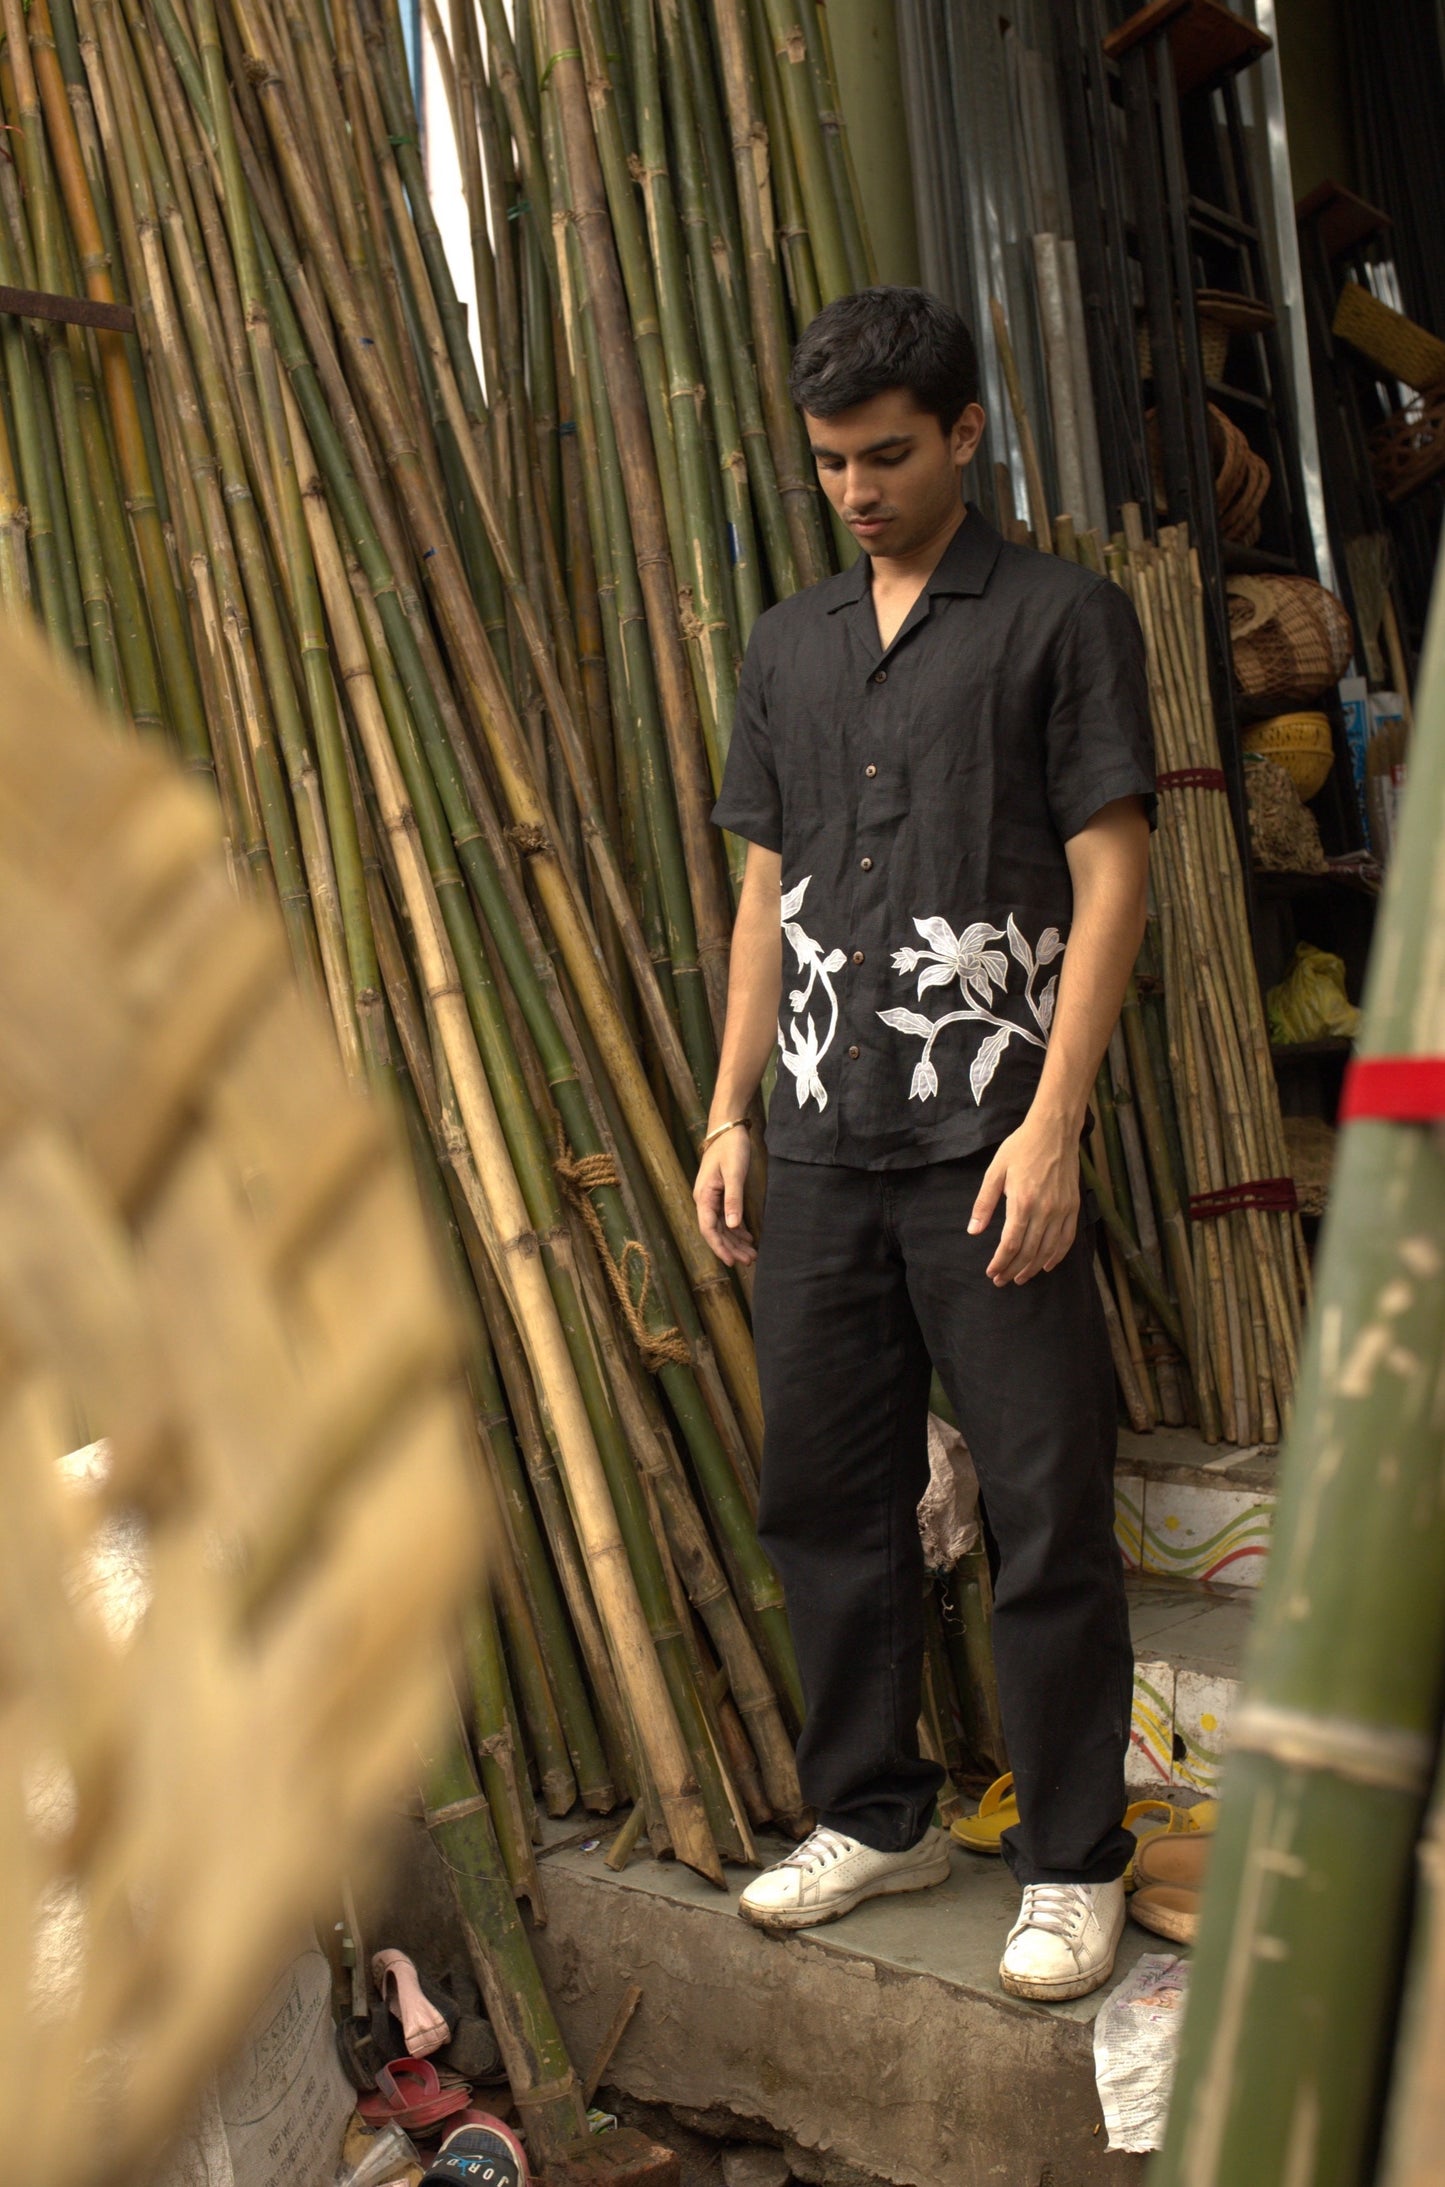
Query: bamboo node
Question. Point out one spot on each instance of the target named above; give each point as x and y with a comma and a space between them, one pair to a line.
525, 836
580, 1176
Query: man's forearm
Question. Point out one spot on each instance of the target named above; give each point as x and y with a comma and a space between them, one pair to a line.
1104, 937
755, 979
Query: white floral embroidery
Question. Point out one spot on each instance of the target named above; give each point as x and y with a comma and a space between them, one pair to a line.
802, 1050
982, 974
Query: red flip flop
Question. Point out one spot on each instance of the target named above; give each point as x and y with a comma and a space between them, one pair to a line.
410, 2095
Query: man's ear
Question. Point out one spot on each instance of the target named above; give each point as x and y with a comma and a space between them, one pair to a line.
967, 433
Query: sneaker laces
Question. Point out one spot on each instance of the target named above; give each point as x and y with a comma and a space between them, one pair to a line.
1060, 1908
818, 1850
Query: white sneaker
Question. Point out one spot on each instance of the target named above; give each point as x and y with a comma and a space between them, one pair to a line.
1064, 1940
828, 1875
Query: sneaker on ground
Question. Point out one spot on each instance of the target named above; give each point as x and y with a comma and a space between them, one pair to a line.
829, 1874
1064, 1940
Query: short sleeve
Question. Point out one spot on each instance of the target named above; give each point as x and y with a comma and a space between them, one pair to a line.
750, 804
1099, 743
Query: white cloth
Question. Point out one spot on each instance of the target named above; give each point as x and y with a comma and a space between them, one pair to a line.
1136, 2045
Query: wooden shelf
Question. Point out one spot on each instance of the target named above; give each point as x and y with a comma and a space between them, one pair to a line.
1209, 42
1343, 220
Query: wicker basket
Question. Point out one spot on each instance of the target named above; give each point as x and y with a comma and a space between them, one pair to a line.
1390, 340
1213, 348
1409, 448
1241, 478
1300, 743
1291, 640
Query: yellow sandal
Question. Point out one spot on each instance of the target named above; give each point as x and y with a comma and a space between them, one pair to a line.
998, 1811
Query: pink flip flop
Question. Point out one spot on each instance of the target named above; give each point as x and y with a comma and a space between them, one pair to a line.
410, 2095
422, 2021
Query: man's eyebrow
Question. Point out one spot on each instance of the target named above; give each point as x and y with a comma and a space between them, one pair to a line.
874, 448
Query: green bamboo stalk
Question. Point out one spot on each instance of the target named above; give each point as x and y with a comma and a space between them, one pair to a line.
771, 344
15, 593
703, 573
1334, 1738
776, 81
542, 2078
712, 333
637, 449
843, 179
220, 474
183, 692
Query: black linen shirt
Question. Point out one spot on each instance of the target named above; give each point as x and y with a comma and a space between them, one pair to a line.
921, 796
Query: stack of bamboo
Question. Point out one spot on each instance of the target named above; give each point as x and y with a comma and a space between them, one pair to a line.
420, 622
1191, 1156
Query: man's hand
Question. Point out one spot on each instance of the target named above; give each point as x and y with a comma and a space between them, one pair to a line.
1036, 1173
718, 1192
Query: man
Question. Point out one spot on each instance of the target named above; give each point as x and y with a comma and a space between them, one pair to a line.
942, 765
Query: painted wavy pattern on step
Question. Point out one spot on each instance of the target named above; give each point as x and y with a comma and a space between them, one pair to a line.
1234, 1552
1151, 1733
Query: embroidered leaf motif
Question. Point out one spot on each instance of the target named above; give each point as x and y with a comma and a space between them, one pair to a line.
802, 1060
1049, 945
835, 960
1019, 946
1046, 1003
925, 1082
986, 1062
907, 1021
935, 975
792, 903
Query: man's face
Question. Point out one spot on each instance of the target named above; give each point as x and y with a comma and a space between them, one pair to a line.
891, 471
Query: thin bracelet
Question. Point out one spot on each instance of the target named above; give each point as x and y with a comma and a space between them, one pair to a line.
717, 1131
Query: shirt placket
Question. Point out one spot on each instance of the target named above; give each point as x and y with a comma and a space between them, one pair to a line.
878, 763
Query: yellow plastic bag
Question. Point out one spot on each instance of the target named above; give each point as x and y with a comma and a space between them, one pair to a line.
1310, 1002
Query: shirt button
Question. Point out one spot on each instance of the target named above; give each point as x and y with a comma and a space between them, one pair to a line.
870, 772
857, 956
880, 675
866, 864
854, 1054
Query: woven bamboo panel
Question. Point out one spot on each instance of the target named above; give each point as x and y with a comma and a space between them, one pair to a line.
220, 1636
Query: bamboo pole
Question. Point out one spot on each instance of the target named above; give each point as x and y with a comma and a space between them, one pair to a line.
1334, 1737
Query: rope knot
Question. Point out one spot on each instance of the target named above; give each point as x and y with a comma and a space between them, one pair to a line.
580, 1176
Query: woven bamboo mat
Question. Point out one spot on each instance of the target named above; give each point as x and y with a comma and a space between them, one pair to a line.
220, 1635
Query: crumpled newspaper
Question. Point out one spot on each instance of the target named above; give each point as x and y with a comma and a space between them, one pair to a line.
1136, 2046
948, 1508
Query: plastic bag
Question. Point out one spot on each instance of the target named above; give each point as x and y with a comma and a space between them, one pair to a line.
390, 2156
1310, 1002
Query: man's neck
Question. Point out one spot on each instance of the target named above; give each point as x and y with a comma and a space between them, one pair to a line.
897, 573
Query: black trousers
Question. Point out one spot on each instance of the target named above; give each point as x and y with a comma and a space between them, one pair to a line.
864, 1276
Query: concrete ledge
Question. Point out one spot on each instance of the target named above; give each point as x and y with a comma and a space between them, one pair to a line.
883, 2040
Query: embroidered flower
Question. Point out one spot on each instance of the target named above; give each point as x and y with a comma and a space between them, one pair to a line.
982, 974
962, 957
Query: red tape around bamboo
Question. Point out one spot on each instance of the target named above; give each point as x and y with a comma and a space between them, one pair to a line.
1276, 1194
1191, 778
1394, 1090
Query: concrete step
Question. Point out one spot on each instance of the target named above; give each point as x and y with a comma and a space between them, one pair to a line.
1189, 1643
883, 2041
1186, 1509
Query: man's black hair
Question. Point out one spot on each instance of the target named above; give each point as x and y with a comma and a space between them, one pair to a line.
861, 345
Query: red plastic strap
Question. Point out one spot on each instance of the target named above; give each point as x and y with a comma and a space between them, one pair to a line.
1397, 1089
1277, 1194
1191, 778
